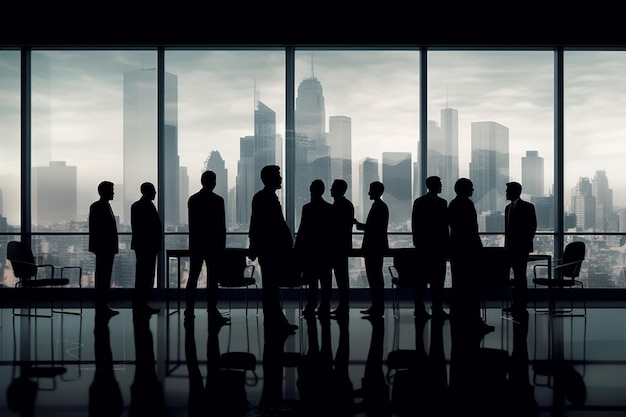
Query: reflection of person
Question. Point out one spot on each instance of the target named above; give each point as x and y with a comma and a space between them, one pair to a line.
374, 387
341, 241
375, 244
271, 241
465, 250
146, 391
207, 241
429, 227
312, 249
146, 242
105, 395
520, 225
103, 242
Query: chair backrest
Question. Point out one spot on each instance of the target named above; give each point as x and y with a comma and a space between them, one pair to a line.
231, 270
24, 266
407, 265
573, 257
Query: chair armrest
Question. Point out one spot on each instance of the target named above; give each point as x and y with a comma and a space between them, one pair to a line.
393, 271
556, 268
538, 266
80, 273
248, 271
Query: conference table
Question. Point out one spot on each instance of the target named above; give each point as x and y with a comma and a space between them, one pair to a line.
392, 252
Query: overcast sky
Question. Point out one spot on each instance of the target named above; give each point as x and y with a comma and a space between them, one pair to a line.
78, 106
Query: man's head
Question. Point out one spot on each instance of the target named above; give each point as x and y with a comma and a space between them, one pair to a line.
208, 180
270, 175
464, 187
148, 190
376, 190
338, 188
105, 190
513, 190
433, 184
317, 188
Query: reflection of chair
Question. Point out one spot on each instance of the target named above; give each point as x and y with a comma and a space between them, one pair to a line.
237, 273
404, 274
31, 275
563, 276
495, 279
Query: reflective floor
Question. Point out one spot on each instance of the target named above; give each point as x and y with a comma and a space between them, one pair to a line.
71, 365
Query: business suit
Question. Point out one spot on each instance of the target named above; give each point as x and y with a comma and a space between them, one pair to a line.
520, 225
146, 241
375, 245
207, 241
343, 217
103, 242
429, 228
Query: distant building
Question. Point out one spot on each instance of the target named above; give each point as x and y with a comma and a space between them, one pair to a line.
54, 194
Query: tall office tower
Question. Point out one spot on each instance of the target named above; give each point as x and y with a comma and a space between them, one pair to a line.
532, 174
264, 140
310, 115
140, 140
604, 202
583, 205
544, 208
246, 181
183, 181
1, 203
55, 194
489, 166
449, 172
398, 190
340, 146
434, 160
368, 173
216, 163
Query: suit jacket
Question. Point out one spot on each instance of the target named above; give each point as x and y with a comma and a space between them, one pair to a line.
342, 223
429, 225
375, 239
145, 224
519, 232
102, 229
207, 223
464, 237
268, 233
313, 237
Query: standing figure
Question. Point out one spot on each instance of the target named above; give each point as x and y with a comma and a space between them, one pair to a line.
465, 251
271, 241
313, 246
341, 242
429, 227
207, 241
146, 241
374, 246
520, 225
103, 242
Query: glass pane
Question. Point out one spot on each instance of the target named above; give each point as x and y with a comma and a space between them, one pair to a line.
10, 154
491, 120
93, 119
594, 161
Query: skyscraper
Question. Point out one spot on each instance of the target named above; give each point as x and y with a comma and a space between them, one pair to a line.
246, 181
183, 181
264, 140
532, 174
55, 193
216, 163
449, 172
584, 205
340, 146
605, 221
489, 166
312, 153
140, 140
398, 192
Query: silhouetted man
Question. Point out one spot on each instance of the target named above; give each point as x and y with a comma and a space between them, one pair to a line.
341, 241
103, 242
465, 251
207, 241
429, 227
313, 246
520, 225
374, 246
271, 242
146, 241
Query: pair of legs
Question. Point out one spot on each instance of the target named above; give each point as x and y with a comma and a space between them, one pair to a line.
102, 278
342, 278
434, 273
374, 272
196, 261
519, 263
145, 268
318, 276
273, 268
